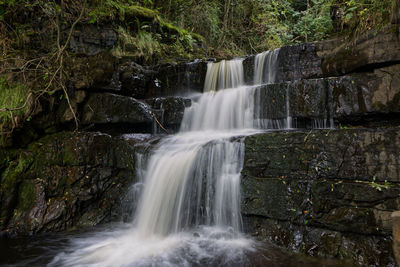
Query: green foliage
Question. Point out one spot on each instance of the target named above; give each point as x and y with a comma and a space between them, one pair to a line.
361, 15
238, 26
13, 101
314, 23
143, 44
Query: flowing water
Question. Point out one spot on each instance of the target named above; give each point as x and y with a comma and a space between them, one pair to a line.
189, 211
189, 208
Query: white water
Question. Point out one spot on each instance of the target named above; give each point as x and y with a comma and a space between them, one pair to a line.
224, 74
265, 66
189, 211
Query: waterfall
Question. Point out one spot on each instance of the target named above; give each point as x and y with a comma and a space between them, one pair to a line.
189, 209
193, 179
265, 66
224, 74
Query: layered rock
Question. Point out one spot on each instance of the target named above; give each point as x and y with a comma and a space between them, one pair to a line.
325, 193
335, 57
369, 98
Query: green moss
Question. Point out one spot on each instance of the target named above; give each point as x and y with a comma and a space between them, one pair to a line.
70, 156
12, 97
198, 37
138, 12
167, 27
26, 196
16, 169
10, 177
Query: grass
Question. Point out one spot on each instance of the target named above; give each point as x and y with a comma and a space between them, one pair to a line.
13, 102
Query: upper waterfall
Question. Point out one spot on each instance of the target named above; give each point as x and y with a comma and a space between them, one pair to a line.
265, 65
224, 74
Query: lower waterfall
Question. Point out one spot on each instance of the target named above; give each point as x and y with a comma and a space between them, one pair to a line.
189, 210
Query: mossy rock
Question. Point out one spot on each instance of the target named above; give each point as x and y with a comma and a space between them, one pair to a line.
128, 12
26, 196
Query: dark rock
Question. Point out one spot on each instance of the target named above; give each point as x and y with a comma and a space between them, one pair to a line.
324, 192
179, 79
68, 180
348, 154
356, 99
293, 63
91, 40
334, 57
366, 51
396, 235
92, 72
110, 108
172, 109
135, 80
360, 250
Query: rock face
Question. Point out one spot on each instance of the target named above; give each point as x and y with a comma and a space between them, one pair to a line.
67, 180
396, 235
356, 99
110, 108
90, 39
328, 192
325, 193
181, 78
335, 57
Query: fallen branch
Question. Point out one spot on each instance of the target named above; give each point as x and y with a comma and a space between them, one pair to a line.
158, 122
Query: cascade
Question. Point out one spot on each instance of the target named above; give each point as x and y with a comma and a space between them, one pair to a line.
224, 74
265, 65
189, 209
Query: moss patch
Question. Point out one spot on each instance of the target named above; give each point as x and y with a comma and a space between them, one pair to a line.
138, 12
26, 196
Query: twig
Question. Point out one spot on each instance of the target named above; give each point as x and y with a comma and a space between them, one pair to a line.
159, 124
70, 33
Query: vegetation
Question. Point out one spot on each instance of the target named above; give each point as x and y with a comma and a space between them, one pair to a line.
240, 27
35, 36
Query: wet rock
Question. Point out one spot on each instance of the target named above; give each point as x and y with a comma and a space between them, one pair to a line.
135, 80
326, 193
68, 180
293, 63
94, 72
179, 78
396, 235
110, 108
172, 109
358, 250
369, 98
